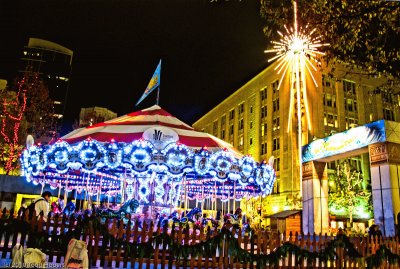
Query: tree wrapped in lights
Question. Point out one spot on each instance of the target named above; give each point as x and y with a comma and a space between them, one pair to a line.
348, 191
13, 109
26, 110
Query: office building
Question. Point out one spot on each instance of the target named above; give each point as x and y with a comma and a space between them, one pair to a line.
255, 119
53, 62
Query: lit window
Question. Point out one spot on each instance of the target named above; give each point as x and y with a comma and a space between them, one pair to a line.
25, 52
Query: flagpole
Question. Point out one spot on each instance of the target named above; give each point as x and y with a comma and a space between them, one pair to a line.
159, 84
158, 95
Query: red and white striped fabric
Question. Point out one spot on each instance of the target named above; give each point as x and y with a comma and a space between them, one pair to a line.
131, 127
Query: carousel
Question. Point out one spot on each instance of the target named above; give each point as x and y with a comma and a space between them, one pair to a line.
150, 157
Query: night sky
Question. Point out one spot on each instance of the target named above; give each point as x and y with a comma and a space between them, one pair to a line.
208, 49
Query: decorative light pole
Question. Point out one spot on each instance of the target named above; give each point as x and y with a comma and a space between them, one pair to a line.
297, 52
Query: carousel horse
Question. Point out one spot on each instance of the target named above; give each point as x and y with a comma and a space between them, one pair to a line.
129, 207
69, 209
246, 229
210, 222
189, 217
233, 219
166, 220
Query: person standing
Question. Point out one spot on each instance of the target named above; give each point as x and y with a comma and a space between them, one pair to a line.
42, 204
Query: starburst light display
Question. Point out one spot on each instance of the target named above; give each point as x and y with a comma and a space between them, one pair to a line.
297, 53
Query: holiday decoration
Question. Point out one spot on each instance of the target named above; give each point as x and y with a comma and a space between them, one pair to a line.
156, 168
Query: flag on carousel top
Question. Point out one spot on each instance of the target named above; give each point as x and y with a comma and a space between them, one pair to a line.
154, 83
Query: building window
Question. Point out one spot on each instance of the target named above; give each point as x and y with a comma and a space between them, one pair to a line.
351, 122
388, 114
241, 124
263, 94
276, 144
350, 105
276, 186
263, 129
276, 123
275, 105
251, 109
215, 127
277, 164
223, 121
349, 87
223, 134
231, 114
263, 148
263, 112
330, 120
251, 125
241, 108
387, 97
275, 86
241, 141
251, 141
231, 130
330, 100
326, 81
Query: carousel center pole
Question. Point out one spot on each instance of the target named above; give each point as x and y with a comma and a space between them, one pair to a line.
202, 198
87, 192
185, 208
99, 190
229, 199
65, 192
234, 195
171, 199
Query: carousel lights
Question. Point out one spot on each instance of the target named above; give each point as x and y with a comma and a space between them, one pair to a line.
220, 167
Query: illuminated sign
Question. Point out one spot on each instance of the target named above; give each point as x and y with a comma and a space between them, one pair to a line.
352, 139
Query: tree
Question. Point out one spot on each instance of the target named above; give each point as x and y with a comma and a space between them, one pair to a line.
349, 192
25, 110
364, 34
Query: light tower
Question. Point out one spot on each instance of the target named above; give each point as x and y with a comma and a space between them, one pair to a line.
296, 54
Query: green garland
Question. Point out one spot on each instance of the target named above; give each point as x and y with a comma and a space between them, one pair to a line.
383, 253
208, 247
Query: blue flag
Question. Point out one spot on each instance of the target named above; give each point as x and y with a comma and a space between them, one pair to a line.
154, 83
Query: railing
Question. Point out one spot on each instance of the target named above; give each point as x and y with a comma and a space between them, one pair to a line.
117, 244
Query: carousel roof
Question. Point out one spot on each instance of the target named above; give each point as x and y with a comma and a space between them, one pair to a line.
132, 126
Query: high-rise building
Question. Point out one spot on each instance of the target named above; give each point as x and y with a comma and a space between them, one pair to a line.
53, 62
255, 118
92, 115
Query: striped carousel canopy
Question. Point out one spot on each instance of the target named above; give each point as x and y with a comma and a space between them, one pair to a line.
145, 124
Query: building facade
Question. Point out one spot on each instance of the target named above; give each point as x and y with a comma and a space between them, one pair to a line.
53, 62
255, 119
92, 115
